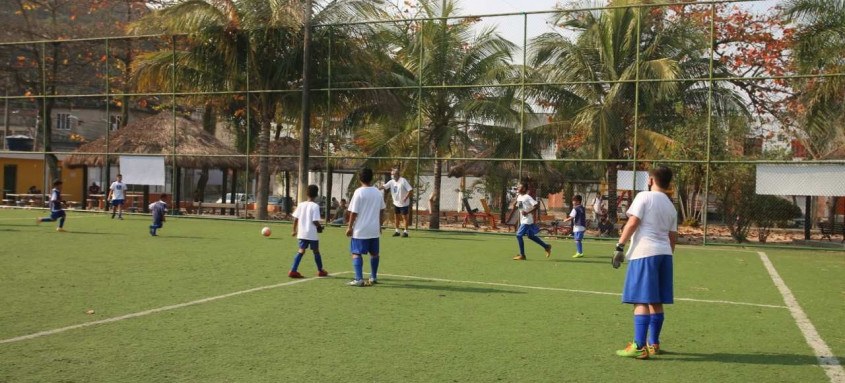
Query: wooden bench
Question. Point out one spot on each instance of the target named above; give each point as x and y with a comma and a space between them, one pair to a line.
200, 207
828, 230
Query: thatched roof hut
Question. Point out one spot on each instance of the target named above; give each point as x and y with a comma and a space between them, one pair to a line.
194, 147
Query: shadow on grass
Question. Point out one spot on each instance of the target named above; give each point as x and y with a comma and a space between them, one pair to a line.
603, 261
457, 289
772, 359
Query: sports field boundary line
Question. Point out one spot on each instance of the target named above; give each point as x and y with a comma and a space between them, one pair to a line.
576, 290
824, 354
157, 310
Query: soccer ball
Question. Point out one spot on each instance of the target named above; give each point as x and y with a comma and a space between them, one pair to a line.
265, 231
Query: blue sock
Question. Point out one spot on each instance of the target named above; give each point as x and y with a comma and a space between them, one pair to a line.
62, 222
654, 328
579, 247
358, 265
296, 259
374, 266
521, 244
318, 260
641, 323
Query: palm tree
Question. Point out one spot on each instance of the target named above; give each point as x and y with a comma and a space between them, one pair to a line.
819, 47
437, 52
597, 70
249, 44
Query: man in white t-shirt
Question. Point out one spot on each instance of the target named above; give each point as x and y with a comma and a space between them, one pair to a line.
117, 196
653, 229
526, 205
306, 228
401, 191
598, 210
364, 227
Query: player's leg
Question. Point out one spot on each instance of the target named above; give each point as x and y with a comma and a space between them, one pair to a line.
374, 260
532, 231
358, 247
406, 216
579, 247
318, 259
302, 246
113, 208
519, 234
666, 290
641, 287
397, 211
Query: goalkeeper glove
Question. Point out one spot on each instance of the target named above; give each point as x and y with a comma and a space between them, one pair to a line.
618, 256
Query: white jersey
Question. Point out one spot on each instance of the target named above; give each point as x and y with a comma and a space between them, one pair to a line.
524, 203
307, 212
399, 191
657, 217
118, 190
368, 203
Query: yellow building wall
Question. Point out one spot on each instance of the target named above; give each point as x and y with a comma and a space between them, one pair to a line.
31, 172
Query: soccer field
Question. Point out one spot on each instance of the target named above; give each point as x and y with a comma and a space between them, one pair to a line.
210, 301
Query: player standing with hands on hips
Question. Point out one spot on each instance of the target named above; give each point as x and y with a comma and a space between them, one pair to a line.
653, 229
401, 191
117, 195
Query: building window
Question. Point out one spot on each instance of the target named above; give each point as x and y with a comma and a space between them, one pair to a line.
114, 122
63, 121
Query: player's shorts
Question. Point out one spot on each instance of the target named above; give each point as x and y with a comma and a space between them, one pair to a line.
306, 243
578, 235
527, 229
364, 246
54, 215
401, 209
117, 202
649, 280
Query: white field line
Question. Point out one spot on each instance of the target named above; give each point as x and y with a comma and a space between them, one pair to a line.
210, 299
575, 290
827, 360
153, 311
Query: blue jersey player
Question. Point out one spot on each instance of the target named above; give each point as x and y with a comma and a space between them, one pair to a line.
653, 229
365, 219
578, 216
158, 210
56, 211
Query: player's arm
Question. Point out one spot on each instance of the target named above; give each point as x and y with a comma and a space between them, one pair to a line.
295, 225
673, 238
352, 218
319, 226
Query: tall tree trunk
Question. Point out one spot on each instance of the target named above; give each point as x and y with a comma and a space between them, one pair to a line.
263, 175
434, 218
329, 184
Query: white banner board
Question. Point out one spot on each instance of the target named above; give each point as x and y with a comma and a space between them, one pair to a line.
799, 179
625, 180
138, 170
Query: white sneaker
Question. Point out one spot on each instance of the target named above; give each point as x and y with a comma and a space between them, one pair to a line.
372, 281
356, 283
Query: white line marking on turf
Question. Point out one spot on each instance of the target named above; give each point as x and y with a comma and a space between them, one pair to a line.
576, 291
827, 360
157, 310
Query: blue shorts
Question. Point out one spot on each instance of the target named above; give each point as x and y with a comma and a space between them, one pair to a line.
158, 223
306, 243
529, 230
364, 246
401, 209
578, 235
54, 215
117, 202
649, 280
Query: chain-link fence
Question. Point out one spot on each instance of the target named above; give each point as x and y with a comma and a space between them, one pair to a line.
580, 100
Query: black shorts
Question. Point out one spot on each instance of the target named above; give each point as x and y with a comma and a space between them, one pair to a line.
404, 210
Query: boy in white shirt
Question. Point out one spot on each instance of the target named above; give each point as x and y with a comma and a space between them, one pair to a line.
306, 228
526, 205
117, 196
653, 229
364, 227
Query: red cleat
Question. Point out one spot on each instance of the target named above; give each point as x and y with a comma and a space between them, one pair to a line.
295, 274
322, 273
